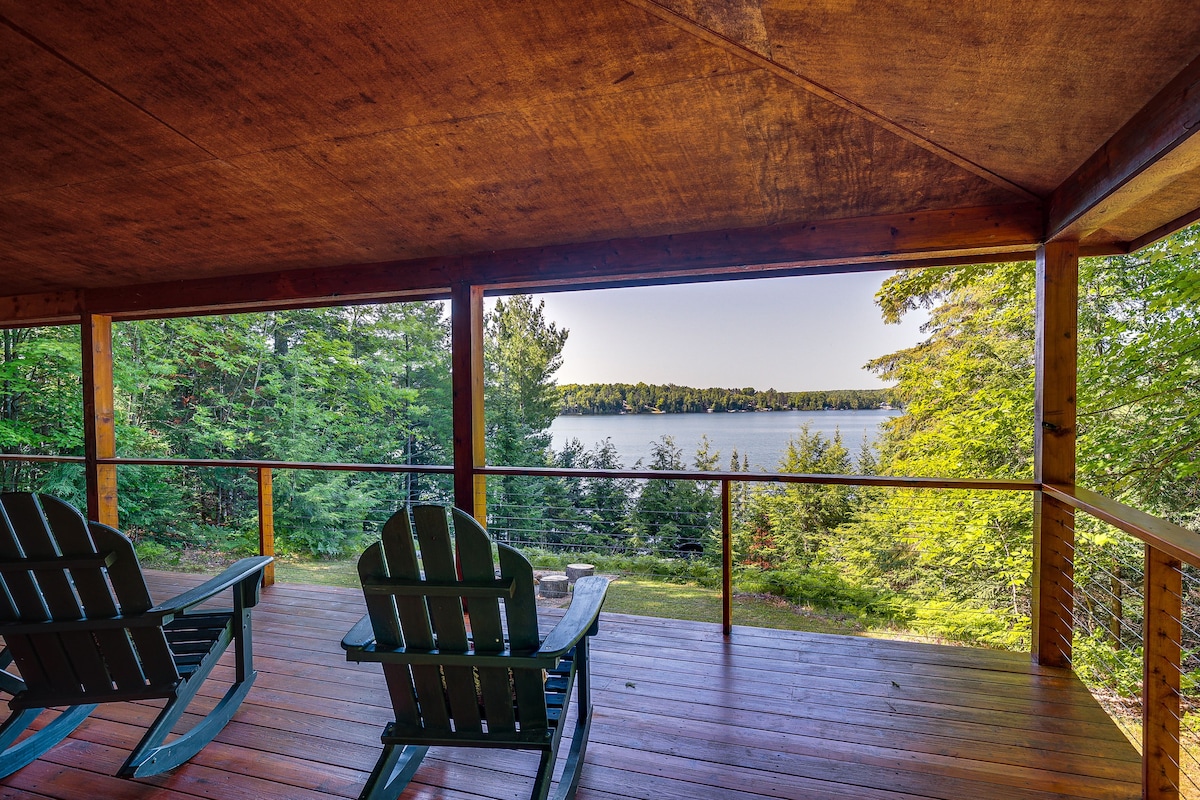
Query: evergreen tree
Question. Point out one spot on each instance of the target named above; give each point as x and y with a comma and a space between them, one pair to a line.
522, 353
606, 502
675, 517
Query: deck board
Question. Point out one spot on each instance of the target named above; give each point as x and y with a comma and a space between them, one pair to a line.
680, 713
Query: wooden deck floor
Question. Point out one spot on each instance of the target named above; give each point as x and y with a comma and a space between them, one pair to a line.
681, 714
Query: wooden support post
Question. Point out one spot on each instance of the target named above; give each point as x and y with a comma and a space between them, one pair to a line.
1162, 637
727, 557
99, 429
466, 343
1054, 452
266, 522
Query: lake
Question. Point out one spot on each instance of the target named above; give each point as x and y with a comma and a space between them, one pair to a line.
762, 435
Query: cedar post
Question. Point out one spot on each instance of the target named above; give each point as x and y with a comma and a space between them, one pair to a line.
1162, 655
466, 345
1054, 452
266, 521
99, 430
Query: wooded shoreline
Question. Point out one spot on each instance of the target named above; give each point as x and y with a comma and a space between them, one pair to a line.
642, 398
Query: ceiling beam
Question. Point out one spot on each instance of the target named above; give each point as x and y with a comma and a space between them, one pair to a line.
1163, 124
757, 251
51, 308
925, 238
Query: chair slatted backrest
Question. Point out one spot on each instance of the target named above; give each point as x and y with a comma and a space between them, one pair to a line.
447, 698
55, 566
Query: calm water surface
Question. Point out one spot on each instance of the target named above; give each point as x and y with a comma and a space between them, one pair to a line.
762, 435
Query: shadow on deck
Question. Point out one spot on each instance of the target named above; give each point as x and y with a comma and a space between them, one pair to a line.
680, 713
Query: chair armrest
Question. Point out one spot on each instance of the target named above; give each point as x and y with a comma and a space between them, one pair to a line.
236, 573
360, 636
579, 619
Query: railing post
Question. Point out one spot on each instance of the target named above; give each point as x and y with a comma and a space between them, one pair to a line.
1162, 654
1054, 451
99, 427
466, 375
726, 557
266, 522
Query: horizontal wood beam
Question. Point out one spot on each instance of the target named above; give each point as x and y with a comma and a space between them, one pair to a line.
927, 238
52, 308
1162, 125
888, 240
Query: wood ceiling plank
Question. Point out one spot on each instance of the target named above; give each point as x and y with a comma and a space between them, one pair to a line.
60, 127
1151, 142
391, 133
40, 309
213, 218
644, 163
740, 36
894, 237
740, 21
241, 78
1163, 198
554, 174
1022, 89
816, 160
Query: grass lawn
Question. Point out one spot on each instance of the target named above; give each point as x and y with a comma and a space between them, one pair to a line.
628, 594
633, 594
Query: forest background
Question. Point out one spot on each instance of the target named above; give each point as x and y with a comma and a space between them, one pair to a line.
370, 384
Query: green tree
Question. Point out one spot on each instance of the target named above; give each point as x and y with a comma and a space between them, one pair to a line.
676, 517
793, 524
1139, 381
41, 411
967, 394
606, 502
522, 352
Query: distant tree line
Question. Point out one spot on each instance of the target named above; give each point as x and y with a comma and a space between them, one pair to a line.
641, 398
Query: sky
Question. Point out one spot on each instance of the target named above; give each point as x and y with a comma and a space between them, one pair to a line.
791, 334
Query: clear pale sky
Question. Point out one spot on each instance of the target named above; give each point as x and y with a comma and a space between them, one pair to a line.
791, 334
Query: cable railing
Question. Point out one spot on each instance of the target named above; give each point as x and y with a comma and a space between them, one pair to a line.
1135, 604
1141, 595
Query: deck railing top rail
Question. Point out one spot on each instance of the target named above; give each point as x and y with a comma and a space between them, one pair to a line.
1176, 540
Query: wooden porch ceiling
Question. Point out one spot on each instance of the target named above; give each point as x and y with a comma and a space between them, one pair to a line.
373, 149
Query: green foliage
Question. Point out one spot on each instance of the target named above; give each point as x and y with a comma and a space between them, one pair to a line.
522, 352
675, 570
963, 558
823, 587
1139, 387
1100, 663
40, 412
154, 552
676, 517
971, 623
793, 523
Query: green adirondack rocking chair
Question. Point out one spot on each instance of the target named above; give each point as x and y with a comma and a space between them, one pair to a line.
454, 679
80, 628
